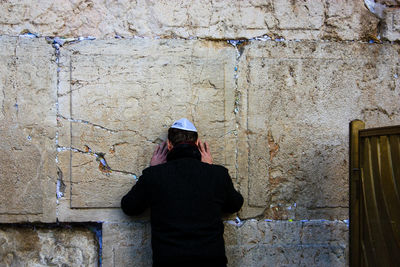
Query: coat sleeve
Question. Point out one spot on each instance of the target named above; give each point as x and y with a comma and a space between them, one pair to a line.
234, 199
137, 199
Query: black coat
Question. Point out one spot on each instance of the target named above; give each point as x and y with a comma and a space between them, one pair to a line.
187, 199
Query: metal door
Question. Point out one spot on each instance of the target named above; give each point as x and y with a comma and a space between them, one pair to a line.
374, 195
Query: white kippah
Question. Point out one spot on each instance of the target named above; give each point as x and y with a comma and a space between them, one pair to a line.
184, 124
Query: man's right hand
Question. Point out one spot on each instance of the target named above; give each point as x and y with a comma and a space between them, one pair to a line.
205, 152
159, 155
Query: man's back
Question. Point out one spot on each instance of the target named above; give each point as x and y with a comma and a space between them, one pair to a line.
187, 198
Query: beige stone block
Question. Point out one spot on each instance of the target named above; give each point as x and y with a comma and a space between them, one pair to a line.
55, 246
311, 19
127, 244
390, 28
299, 14
123, 97
27, 130
67, 214
348, 20
92, 190
280, 243
300, 99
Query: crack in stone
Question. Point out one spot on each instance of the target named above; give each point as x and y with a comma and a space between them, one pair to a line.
2, 102
60, 184
58, 42
126, 172
235, 43
380, 110
89, 123
108, 129
14, 79
239, 47
240, 222
328, 207
100, 157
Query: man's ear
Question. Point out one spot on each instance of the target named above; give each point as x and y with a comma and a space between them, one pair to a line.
170, 146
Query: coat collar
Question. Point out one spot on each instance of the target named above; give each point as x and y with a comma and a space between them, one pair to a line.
184, 151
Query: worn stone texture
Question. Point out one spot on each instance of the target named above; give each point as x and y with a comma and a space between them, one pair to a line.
40, 246
27, 130
275, 113
210, 19
127, 244
255, 243
388, 11
297, 100
118, 98
67, 214
390, 28
285, 243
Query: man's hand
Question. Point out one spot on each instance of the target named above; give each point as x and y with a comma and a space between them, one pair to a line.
205, 152
159, 155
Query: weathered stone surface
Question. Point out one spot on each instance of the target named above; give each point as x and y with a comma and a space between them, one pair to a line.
27, 130
297, 102
255, 243
215, 19
388, 11
67, 214
285, 243
40, 246
390, 29
286, 147
348, 20
127, 244
122, 97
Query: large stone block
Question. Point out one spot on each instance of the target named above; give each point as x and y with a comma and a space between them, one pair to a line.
285, 243
127, 244
118, 98
41, 246
297, 102
221, 19
255, 243
27, 130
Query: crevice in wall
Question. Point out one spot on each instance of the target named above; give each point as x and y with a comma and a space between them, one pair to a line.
377, 8
382, 10
99, 157
60, 187
98, 126
60, 184
239, 47
56, 41
239, 223
380, 110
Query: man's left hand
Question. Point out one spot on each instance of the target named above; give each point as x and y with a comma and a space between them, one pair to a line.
159, 155
205, 152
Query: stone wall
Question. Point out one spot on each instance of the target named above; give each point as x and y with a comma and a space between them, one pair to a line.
40, 245
89, 88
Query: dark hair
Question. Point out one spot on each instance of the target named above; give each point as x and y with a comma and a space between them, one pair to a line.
176, 136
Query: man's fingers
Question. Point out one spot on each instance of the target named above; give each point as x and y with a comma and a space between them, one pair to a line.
202, 149
206, 147
164, 148
156, 150
198, 143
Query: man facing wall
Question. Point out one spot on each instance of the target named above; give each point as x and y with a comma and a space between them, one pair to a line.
187, 196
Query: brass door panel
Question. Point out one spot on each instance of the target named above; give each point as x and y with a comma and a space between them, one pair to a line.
374, 195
